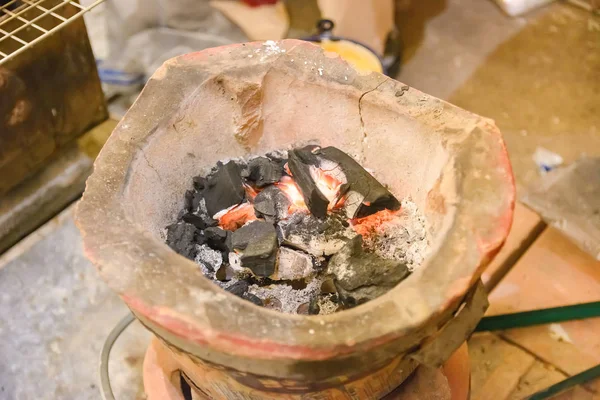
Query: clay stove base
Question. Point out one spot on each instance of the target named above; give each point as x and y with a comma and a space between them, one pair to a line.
451, 381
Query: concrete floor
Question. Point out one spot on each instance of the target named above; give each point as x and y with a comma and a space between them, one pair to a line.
538, 76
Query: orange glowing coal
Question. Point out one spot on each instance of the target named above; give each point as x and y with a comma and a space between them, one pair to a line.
250, 192
289, 187
236, 217
329, 186
368, 225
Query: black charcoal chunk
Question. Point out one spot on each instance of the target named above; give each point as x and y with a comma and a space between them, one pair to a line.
272, 204
300, 162
373, 196
313, 306
257, 243
239, 288
218, 238
263, 171
224, 188
253, 299
182, 238
318, 237
360, 276
199, 182
195, 220
196, 201
189, 200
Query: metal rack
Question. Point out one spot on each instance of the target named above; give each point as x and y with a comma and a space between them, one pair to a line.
23, 23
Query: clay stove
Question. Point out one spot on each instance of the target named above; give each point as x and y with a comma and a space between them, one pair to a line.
246, 100
305, 231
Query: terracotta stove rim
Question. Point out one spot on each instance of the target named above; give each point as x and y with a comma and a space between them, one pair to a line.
105, 225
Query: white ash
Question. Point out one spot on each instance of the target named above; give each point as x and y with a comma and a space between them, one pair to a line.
202, 207
403, 238
209, 260
327, 305
289, 297
293, 265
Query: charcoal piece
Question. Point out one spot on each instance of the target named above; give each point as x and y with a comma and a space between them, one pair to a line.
257, 242
371, 197
328, 286
182, 238
218, 238
300, 162
360, 276
196, 201
195, 220
221, 273
293, 265
224, 188
247, 233
309, 308
239, 288
200, 182
253, 299
302, 309
189, 200
272, 204
311, 235
313, 306
263, 171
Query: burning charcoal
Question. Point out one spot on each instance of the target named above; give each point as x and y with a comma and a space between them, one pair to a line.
224, 188
218, 238
271, 204
183, 237
316, 237
257, 242
195, 220
300, 162
221, 273
253, 299
366, 195
239, 288
293, 265
361, 276
263, 171
200, 182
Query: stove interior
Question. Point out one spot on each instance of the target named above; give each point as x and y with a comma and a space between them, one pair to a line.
306, 230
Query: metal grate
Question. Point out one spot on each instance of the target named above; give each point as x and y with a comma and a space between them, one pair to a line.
23, 23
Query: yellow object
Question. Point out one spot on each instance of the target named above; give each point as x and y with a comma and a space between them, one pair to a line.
359, 56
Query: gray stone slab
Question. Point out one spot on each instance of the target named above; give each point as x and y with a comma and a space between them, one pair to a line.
55, 314
43, 195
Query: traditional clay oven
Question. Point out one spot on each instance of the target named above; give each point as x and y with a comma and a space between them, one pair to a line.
252, 98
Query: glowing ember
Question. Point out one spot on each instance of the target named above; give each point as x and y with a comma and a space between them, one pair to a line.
250, 192
235, 217
289, 187
368, 225
329, 186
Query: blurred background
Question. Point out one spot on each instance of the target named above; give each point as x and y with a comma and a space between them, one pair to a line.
70, 70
